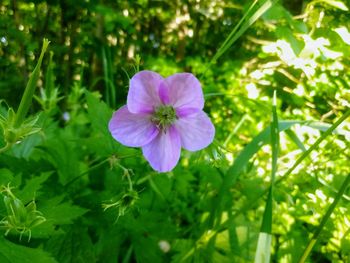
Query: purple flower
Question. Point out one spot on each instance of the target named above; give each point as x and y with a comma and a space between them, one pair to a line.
161, 116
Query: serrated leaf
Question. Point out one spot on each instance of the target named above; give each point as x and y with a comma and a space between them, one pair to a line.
99, 113
32, 186
13, 253
27, 145
64, 156
74, 246
60, 213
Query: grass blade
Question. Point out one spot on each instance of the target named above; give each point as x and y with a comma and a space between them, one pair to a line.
247, 20
263, 251
295, 139
305, 154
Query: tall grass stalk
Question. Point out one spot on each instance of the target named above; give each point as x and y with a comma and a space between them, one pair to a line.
263, 250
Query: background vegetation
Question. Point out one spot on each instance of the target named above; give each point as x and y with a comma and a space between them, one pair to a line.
73, 194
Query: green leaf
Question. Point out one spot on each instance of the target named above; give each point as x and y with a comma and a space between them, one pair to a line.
6, 176
99, 113
279, 13
25, 148
74, 246
61, 213
63, 154
32, 186
13, 253
276, 12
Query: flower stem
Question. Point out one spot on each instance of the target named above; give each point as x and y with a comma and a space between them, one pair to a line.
30, 88
130, 181
328, 214
127, 174
87, 171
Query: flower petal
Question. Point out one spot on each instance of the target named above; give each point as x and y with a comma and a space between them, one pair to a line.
134, 130
196, 131
164, 93
143, 93
163, 152
184, 112
185, 91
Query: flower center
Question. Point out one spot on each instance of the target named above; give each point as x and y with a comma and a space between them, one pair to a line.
164, 116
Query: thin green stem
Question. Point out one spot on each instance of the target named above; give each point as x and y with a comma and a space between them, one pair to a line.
127, 174
325, 218
129, 180
98, 165
87, 171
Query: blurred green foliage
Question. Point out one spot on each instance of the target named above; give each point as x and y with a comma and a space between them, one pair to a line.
72, 166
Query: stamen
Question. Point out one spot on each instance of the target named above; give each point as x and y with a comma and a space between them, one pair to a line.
164, 116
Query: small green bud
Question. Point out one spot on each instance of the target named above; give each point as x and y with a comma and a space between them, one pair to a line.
19, 217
